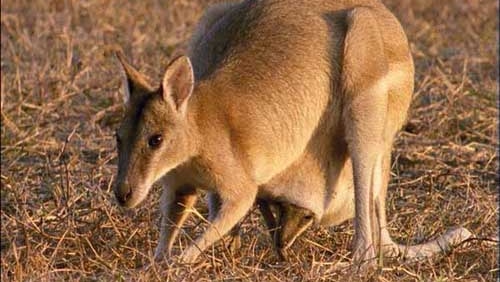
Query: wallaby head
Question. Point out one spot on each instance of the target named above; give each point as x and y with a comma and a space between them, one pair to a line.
293, 221
155, 135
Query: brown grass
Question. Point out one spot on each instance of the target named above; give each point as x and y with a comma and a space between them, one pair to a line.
60, 105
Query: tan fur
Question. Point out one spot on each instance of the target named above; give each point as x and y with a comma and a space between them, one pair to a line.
278, 87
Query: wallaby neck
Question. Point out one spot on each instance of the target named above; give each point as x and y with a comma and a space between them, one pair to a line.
193, 136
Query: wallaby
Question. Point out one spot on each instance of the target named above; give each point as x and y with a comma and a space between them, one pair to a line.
286, 223
263, 83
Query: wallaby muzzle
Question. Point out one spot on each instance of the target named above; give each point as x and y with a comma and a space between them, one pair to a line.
123, 193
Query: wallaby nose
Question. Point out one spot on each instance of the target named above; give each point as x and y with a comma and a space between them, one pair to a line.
123, 193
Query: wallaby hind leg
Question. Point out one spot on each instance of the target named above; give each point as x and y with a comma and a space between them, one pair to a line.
364, 82
366, 182
371, 121
371, 175
175, 207
384, 241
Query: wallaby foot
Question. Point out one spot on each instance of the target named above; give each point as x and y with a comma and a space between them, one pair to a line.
364, 256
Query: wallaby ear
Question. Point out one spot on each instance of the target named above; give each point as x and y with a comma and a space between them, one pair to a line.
178, 83
133, 82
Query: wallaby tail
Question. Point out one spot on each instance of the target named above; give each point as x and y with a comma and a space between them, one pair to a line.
441, 244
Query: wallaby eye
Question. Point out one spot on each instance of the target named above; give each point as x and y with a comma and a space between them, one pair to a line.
155, 141
308, 217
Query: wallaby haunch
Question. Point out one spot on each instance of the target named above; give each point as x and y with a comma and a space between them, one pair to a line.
267, 89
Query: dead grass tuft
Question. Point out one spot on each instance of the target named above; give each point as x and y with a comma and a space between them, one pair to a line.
60, 105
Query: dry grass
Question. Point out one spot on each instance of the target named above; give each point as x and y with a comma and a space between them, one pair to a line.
60, 106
